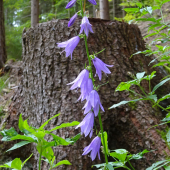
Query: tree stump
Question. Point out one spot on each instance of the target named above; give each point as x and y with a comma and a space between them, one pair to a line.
43, 91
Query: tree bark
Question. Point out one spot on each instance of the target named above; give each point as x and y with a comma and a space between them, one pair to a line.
43, 91
34, 12
3, 55
104, 9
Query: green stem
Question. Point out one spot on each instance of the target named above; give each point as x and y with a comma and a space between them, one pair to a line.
40, 158
162, 15
104, 144
131, 165
162, 107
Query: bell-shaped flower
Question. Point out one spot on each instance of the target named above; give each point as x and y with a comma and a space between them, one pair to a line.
87, 125
94, 148
86, 26
72, 20
92, 2
101, 66
69, 45
93, 102
70, 4
80, 80
86, 88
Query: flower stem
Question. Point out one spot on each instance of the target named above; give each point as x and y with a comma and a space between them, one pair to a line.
131, 165
104, 144
91, 73
40, 158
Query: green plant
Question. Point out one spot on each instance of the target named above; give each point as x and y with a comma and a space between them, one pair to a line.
36, 135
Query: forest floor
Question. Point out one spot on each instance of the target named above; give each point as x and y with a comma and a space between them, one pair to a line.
10, 77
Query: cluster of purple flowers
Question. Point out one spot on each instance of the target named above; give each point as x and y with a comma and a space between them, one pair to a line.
85, 84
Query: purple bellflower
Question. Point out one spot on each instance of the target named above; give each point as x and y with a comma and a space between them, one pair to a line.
101, 66
87, 124
86, 88
70, 4
92, 2
69, 45
86, 26
94, 148
72, 20
93, 101
80, 80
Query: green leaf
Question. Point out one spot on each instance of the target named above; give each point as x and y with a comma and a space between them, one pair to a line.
139, 4
167, 118
140, 75
149, 77
131, 9
165, 1
167, 167
43, 125
147, 19
8, 133
124, 102
123, 86
154, 26
120, 154
16, 163
64, 162
139, 155
168, 135
155, 165
22, 137
58, 140
153, 97
160, 84
63, 125
73, 139
161, 63
18, 145
164, 97
110, 167
149, 35
21, 123
105, 140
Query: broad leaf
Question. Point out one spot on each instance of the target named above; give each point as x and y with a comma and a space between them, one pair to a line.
18, 145
65, 125
120, 154
160, 84
17, 164
140, 75
124, 102
139, 155
131, 9
43, 125
155, 165
22, 137
73, 139
58, 140
8, 133
123, 86
110, 167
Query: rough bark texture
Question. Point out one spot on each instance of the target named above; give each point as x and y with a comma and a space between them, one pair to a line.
104, 9
34, 12
43, 91
3, 56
